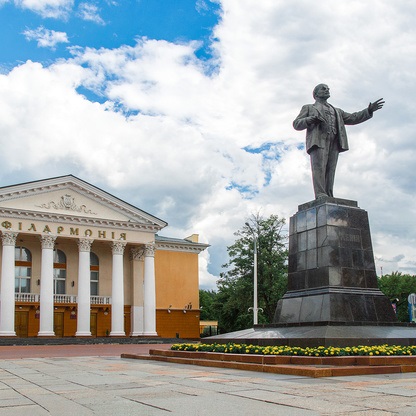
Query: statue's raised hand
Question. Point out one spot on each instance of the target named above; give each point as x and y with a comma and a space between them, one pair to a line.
376, 105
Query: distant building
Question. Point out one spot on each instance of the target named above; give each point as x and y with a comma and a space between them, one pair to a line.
208, 328
77, 261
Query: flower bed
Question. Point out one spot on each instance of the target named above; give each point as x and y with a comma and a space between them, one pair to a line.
375, 350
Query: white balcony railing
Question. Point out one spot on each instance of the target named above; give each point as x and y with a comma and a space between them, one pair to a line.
64, 299
34, 297
101, 300
26, 297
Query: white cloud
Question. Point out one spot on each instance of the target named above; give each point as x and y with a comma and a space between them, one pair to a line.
90, 12
201, 6
177, 146
47, 8
46, 38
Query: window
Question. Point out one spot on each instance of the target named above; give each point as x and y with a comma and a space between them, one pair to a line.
94, 266
59, 272
22, 270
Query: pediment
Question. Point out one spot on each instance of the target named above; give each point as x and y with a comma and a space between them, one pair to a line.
72, 197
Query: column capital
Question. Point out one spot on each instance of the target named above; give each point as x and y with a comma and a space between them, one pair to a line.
137, 253
149, 250
8, 238
84, 244
48, 241
118, 247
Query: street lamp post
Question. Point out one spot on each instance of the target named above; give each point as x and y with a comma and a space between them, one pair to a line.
255, 309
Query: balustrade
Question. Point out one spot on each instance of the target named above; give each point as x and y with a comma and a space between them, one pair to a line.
100, 300
35, 297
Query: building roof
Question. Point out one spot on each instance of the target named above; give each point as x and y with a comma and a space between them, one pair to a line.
27, 189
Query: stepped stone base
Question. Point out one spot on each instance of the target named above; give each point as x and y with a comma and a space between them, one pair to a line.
293, 365
322, 334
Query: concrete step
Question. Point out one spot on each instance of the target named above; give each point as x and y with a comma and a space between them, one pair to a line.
291, 365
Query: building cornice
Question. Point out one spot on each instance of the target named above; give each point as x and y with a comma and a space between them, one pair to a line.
190, 248
77, 220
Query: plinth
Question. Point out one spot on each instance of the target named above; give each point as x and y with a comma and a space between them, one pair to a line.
333, 297
332, 275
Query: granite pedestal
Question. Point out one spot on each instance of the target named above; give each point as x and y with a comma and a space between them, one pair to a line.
333, 296
332, 275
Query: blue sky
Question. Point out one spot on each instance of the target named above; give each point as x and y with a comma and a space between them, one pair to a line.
184, 108
107, 24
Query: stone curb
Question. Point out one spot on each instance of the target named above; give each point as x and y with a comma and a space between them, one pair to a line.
290, 365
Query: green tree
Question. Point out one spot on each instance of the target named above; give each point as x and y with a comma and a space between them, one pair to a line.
398, 286
206, 304
235, 286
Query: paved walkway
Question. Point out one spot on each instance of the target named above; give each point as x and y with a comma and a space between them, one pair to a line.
93, 380
99, 350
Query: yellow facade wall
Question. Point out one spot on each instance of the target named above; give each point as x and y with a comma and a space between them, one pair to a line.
177, 283
177, 324
177, 294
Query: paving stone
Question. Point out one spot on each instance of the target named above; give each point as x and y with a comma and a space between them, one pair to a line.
32, 410
111, 386
14, 399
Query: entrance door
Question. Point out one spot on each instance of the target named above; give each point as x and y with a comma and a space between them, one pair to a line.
93, 324
58, 324
21, 324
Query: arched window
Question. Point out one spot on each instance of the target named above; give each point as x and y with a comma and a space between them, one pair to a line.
22, 270
94, 268
59, 272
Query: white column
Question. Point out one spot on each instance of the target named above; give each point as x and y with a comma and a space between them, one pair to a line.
149, 291
46, 287
136, 262
117, 290
84, 289
7, 284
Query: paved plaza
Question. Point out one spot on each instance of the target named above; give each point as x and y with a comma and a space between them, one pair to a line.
94, 380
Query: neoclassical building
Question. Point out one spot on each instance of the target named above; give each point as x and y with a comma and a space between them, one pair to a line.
77, 261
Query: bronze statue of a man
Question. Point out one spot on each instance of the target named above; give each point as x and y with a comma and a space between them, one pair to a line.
326, 136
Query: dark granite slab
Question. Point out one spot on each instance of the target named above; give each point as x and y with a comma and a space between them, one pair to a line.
327, 200
332, 272
333, 334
